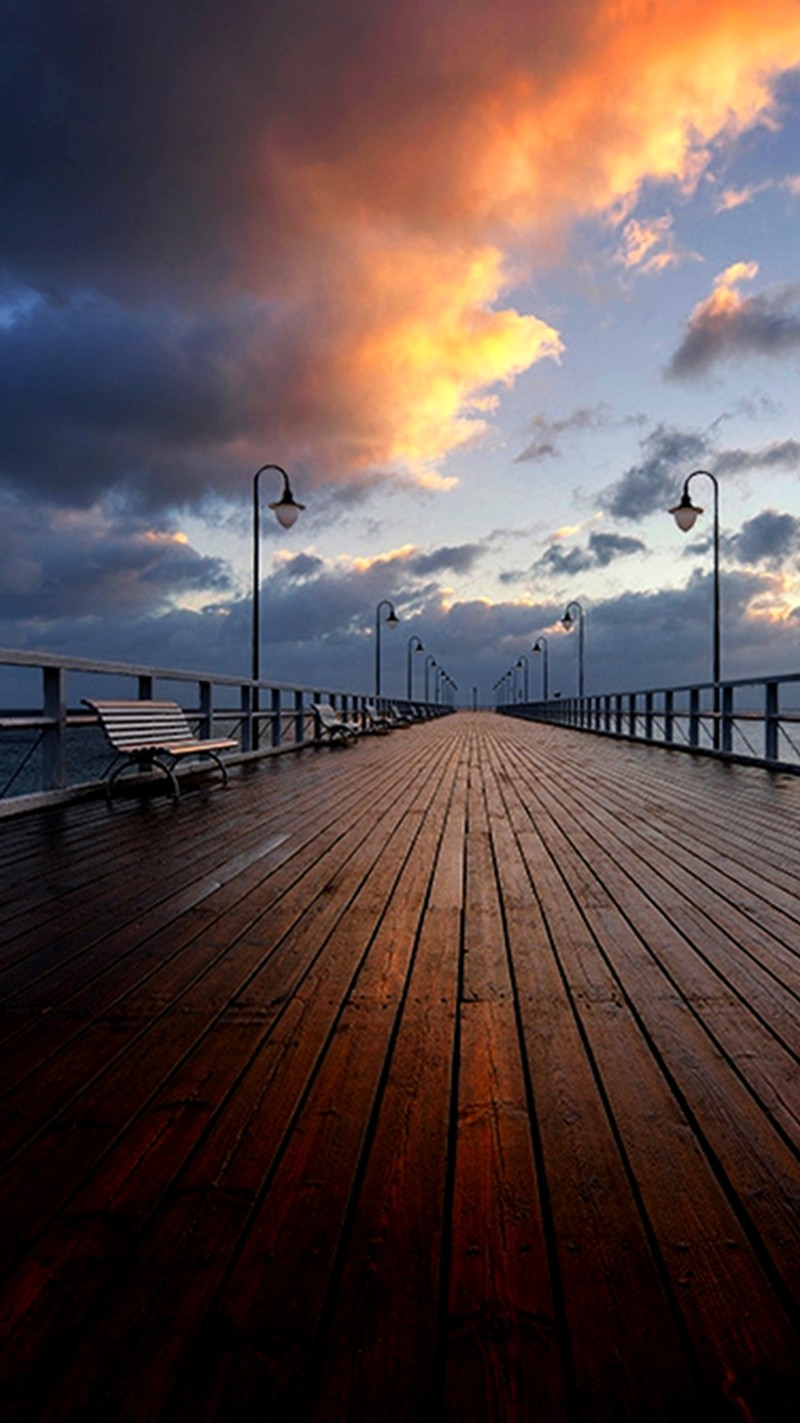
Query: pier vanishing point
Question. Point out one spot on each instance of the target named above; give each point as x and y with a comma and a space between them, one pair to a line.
452, 1074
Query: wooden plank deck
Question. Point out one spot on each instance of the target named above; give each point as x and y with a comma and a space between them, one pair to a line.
453, 1074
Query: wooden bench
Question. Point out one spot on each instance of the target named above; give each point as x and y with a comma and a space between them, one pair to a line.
331, 726
148, 734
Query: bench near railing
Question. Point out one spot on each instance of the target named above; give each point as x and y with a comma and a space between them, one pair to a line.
755, 720
51, 747
146, 734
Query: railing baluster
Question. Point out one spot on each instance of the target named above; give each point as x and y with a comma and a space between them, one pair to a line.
771, 721
669, 717
277, 721
726, 730
54, 740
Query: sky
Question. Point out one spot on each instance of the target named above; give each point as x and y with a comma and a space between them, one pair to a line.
488, 278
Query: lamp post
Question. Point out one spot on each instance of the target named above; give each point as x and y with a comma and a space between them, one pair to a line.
522, 662
286, 510
568, 620
411, 649
540, 645
430, 661
685, 514
391, 621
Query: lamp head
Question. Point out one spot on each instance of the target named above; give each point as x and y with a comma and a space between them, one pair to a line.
567, 619
392, 618
686, 512
286, 509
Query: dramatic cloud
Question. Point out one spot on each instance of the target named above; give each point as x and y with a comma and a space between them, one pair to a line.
56, 565
728, 324
601, 550
319, 631
771, 539
781, 455
668, 455
302, 226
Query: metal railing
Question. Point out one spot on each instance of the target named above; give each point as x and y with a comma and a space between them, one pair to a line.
755, 720
52, 747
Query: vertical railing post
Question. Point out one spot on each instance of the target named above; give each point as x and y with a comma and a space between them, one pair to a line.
669, 716
632, 714
726, 729
246, 709
771, 721
648, 715
694, 717
54, 740
299, 727
618, 714
206, 712
277, 719
145, 687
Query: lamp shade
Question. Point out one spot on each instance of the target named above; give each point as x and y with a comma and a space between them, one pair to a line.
685, 514
286, 510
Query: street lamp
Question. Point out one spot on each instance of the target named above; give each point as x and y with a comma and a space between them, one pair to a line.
430, 661
685, 514
286, 510
568, 620
411, 648
540, 645
522, 662
391, 621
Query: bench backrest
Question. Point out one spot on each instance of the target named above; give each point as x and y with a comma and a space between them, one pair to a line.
327, 714
142, 723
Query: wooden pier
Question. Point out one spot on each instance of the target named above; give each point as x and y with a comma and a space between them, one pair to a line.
452, 1074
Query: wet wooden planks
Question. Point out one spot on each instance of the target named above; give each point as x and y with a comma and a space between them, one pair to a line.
451, 1073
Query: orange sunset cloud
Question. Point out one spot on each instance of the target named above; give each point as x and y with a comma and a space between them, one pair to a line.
445, 167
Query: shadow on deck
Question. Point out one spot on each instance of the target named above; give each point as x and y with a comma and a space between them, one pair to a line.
452, 1074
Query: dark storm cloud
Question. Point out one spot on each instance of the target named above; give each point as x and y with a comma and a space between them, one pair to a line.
96, 396
783, 454
601, 550
319, 630
764, 325
771, 539
458, 559
668, 455
53, 567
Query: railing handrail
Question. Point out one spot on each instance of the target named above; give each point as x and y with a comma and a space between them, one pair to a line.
661, 716
270, 717
12, 658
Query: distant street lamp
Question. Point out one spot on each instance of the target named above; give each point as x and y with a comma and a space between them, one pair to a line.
685, 514
568, 620
540, 645
286, 510
522, 662
430, 661
391, 621
409, 659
